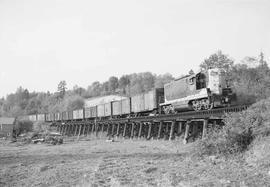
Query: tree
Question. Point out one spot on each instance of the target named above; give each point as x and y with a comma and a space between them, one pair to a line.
161, 80
123, 83
62, 88
251, 79
113, 84
73, 102
78, 90
191, 72
217, 60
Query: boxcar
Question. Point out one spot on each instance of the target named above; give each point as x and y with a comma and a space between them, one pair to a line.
41, 117
65, 115
121, 107
90, 112
70, 115
50, 117
47, 117
126, 106
116, 108
108, 109
147, 101
33, 117
137, 103
57, 116
78, 114
101, 110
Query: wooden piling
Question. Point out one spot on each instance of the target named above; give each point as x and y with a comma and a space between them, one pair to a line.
205, 124
87, 129
132, 130
67, 133
179, 130
93, 128
125, 129
96, 127
76, 126
140, 130
186, 132
113, 126
83, 131
118, 130
79, 132
149, 131
172, 130
108, 129
159, 129
102, 127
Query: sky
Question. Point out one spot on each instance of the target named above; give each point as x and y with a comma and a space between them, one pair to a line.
81, 41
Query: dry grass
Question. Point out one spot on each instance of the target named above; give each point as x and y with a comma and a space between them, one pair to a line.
95, 162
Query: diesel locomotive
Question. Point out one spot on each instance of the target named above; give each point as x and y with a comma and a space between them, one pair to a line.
201, 91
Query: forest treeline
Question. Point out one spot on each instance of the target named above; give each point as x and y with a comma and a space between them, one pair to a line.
250, 79
23, 102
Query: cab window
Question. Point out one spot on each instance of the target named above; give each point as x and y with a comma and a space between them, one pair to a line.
200, 81
192, 80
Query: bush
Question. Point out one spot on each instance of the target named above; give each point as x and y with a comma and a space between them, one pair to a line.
23, 126
40, 126
239, 131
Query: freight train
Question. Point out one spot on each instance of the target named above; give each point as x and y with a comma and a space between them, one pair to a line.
201, 91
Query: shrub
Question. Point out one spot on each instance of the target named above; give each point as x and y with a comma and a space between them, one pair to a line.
40, 126
239, 131
22, 126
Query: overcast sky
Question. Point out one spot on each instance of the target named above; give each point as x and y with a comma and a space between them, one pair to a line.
45, 41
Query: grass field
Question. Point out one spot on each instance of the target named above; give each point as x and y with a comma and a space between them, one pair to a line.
92, 162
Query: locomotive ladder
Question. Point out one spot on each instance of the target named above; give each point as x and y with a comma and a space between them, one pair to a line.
188, 125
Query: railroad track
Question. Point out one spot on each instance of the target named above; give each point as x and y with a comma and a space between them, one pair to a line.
211, 114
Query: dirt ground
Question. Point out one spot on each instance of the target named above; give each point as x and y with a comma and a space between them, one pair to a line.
92, 162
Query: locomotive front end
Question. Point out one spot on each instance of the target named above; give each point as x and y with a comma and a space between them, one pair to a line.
221, 93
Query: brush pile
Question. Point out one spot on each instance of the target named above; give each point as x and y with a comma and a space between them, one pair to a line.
53, 138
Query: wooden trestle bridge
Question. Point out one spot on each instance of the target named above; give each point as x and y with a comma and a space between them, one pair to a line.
189, 125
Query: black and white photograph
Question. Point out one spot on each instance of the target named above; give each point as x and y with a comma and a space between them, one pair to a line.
134, 93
